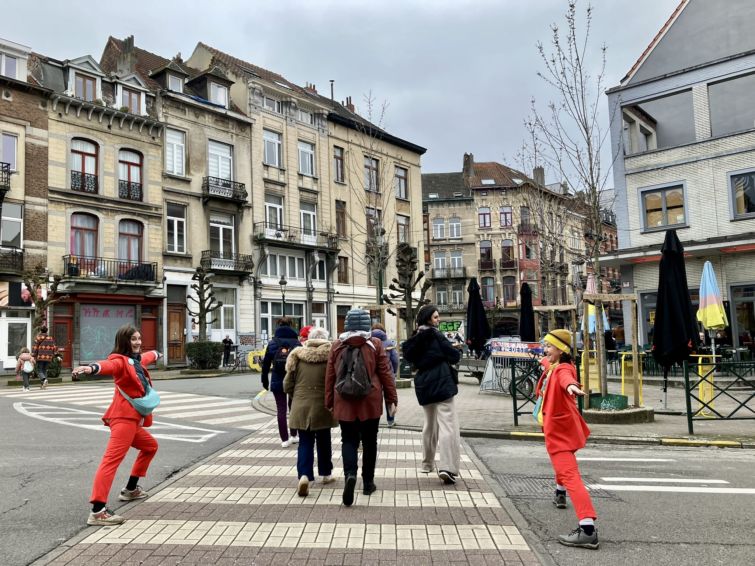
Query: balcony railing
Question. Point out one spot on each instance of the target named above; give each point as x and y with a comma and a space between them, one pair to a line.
449, 273
83, 182
508, 264
527, 228
130, 191
228, 262
11, 260
452, 307
215, 187
4, 176
486, 264
108, 269
280, 233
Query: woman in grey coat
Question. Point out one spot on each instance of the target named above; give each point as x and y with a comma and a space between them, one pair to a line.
305, 383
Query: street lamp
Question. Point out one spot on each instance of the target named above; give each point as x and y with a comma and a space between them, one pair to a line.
283, 284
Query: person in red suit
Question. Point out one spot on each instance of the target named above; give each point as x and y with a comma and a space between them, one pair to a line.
565, 432
127, 365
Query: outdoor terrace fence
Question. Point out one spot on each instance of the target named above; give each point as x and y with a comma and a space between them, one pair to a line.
102, 268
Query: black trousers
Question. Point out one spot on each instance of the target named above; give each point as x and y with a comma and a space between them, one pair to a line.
352, 432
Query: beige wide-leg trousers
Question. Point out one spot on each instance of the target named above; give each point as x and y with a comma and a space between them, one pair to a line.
441, 431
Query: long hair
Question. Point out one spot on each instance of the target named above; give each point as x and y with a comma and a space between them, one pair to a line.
425, 314
565, 358
123, 340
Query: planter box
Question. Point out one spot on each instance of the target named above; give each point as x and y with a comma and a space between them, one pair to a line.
610, 402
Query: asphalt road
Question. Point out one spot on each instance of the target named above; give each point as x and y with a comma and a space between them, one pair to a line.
47, 466
660, 506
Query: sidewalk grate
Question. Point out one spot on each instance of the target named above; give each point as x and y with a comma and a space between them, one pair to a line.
534, 487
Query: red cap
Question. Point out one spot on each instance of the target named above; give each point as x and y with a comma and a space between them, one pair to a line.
304, 332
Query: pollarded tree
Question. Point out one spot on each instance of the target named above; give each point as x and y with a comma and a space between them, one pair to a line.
404, 286
43, 293
204, 301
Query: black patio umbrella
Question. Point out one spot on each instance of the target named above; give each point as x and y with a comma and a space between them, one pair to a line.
477, 327
675, 331
526, 314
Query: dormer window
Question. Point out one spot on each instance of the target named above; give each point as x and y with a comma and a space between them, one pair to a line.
131, 100
85, 87
219, 94
8, 65
176, 84
272, 104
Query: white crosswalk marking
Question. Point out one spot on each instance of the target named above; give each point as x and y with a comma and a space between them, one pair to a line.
675, 489
279, 452
664, 480
218, 470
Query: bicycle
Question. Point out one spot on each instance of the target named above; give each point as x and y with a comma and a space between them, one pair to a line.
238, 362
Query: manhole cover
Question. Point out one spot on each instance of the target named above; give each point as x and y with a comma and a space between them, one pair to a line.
538, 487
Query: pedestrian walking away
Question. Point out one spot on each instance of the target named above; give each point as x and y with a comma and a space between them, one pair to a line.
565, 432
25, 366
378, 331
274, 366
44, 350
357, 379
436, 385
127, 421
305, 384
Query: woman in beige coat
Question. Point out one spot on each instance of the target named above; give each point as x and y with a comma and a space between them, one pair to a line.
305, 383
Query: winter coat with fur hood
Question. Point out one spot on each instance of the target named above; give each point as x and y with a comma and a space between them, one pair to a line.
305, 382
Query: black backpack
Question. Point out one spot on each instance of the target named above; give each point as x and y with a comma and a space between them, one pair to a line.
279, 360
352, 379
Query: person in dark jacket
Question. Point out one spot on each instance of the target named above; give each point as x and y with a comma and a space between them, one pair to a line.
359, 418
285, 337
378, 331
435, 386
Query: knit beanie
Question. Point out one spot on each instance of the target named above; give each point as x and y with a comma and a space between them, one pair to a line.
357, 320
304, 332
560, 338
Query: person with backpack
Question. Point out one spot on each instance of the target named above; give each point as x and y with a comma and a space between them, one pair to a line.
25, 366
274, 365
436, 385
357, 379
44, 351
378, 331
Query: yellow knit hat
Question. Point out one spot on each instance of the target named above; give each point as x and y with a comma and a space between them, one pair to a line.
560, 338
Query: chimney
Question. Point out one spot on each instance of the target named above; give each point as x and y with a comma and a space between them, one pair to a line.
468, 169
349, 106
310, 87
565, 187
128, 44
538, 174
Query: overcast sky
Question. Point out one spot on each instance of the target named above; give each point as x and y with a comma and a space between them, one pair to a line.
457, 75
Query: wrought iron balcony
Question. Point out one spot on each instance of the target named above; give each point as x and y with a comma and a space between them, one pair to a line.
486, 264
215, 187
130, 191
449, 273
11, 260
84, 182
226, 262
508, 264
295, 237
527, 228
109, 269
4, 176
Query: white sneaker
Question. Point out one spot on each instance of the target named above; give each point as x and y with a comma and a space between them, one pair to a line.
294, 440
327, 479
104, 518
286, 443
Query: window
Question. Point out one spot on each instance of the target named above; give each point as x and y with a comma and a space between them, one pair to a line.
529, 249
439, 260
130, 240
486, 254
487, 289
273, 147
85, 87
439, 228
306, 158
306, 116
742, 192
320, 272
341, 219
220, 160
441, 296
483, 217
176, 84
402, 222
524, 215
507, 218
509, 290
338, 169
129, 175
371, 181
271, 311
8, 65
374, 219
456, 259
272, 104
308, 219
290, 266
400, 182
12, 224
131, 100
84, 228
663, 207
457, 295
83, 166
507, 250
9, 151
575, 240
219, 94
222, 239
454, 227
343, 269
274, 211
176, 228
175, 150
225, 316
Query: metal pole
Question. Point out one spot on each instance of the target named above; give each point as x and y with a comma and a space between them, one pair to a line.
635, 356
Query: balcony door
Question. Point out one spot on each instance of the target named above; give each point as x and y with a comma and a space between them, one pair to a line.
83, 244
222, 237
274, 217
308, 223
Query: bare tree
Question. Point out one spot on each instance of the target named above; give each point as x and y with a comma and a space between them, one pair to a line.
43, 290
404, 286
205, 302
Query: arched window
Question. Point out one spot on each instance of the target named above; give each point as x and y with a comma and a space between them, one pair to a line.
486, 255
130, 240
84, 228
84, 166
130, 175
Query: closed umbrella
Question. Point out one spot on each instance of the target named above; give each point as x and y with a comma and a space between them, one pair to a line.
675, 331
526, 314
477, 327
711, 313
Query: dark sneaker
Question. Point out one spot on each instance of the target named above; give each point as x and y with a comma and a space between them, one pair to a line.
579, 538
449, 478
559, 500
369, 488
132, 494
104, 518
348, 490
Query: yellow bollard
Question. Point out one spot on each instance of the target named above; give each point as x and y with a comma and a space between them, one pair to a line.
627, 369
705, 365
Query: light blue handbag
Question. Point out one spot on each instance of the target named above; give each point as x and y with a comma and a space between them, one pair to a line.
146, 404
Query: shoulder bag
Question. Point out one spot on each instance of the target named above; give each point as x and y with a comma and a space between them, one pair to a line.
146, 404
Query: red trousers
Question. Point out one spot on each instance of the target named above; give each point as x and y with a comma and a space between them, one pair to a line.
124, 433
567, 474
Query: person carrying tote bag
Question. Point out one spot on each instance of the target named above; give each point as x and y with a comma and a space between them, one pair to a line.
128, 416
436, 385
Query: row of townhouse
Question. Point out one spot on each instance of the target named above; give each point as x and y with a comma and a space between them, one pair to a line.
506, 228
128, 173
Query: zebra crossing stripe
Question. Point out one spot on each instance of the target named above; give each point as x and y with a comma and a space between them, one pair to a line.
237, 470
383, 441
226, 420
233, 407
665, 480
280, 452
675, 489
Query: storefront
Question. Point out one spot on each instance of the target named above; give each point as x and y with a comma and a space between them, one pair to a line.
743, 321
15, 322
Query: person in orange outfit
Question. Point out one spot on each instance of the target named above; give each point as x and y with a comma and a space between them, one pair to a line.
127, 365
565, 432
